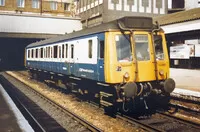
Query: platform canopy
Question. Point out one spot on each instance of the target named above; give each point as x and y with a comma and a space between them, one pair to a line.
183, 21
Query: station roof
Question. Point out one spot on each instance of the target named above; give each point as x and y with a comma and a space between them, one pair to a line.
126, 22
88, 31
182, 16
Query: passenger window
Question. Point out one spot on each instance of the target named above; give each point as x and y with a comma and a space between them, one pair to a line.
90, 49
102, 49
32, 53
41, 52
63, 50
55, 50
66, 50
28, 53
72, 51
36, 53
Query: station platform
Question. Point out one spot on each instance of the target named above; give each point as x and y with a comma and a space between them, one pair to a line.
11, 119
187, 81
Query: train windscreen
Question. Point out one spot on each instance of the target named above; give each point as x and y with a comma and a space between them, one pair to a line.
123, 47
158, 47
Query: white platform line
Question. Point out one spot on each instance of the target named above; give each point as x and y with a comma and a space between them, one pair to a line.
186, 92
23, 123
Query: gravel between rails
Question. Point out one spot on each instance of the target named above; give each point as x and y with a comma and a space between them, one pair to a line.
83, 109
65, 121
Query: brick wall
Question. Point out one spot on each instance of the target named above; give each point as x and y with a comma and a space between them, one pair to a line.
11, 5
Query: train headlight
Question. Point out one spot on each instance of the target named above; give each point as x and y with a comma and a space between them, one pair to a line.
161, 72
126, 75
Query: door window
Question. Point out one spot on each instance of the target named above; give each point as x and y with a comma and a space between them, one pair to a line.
142, 47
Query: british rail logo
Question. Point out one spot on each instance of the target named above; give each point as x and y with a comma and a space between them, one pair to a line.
86, 70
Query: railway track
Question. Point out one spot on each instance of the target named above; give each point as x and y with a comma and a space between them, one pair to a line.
185, 104
39, 119
163, 122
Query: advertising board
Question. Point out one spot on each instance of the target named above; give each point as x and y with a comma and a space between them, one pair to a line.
197, 50
180, 52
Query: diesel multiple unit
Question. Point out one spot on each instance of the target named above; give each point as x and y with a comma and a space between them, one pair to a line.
123, 64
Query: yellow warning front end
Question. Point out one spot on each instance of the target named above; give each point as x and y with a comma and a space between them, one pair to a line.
135, 58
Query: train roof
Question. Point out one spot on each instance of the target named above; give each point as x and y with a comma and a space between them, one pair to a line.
126, 23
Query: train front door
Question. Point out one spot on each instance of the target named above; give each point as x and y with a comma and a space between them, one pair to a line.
144, 56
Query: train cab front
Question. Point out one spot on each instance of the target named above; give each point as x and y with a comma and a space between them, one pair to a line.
137, 63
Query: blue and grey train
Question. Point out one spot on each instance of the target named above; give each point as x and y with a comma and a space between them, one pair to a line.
123, 64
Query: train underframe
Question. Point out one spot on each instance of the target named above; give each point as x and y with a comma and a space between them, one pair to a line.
135, 98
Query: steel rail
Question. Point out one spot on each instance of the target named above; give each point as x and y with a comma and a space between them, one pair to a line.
148, 127
141, 124
177, 106
185, 100
79, 119
186, 122
32, 120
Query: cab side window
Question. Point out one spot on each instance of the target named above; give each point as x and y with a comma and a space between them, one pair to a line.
90, 49
101, 49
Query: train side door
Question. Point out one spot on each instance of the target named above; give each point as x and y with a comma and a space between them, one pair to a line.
59, 64
100, 62
71, 59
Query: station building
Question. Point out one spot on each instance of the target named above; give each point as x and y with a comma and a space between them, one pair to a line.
26, 21
41, 7
94, 12
182, 5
